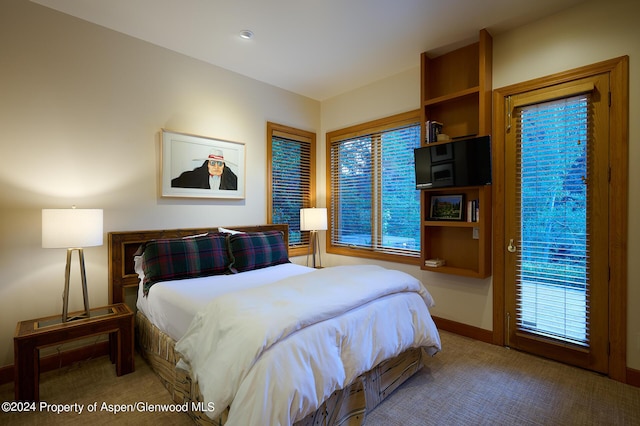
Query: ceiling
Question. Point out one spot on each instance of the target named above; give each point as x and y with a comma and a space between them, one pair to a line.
316, 48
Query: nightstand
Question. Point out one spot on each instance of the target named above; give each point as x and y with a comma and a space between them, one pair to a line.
31, 335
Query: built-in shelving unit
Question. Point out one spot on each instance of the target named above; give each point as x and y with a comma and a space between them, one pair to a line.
465, 246
456, 91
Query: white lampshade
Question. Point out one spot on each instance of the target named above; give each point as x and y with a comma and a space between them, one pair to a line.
71, 228
314, 219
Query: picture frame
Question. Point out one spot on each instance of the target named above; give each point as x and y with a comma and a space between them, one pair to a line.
447, 207
194, 166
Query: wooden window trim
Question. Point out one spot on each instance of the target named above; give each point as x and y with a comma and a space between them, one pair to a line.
302, 136
374, 126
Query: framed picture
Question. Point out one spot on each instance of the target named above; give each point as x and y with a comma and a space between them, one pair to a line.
446, 207
200, 167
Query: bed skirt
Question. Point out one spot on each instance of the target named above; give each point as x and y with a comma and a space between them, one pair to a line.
346, 406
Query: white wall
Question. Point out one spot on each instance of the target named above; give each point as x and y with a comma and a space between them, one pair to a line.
592, 32
81, 108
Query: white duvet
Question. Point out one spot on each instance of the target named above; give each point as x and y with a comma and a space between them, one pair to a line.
171, 305
276, 352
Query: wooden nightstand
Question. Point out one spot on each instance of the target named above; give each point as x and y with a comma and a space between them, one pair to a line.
31, 335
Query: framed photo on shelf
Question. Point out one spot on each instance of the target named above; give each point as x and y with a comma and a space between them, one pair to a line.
447, 207
200, 167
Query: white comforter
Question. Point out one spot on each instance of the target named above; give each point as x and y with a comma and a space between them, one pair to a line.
276, 352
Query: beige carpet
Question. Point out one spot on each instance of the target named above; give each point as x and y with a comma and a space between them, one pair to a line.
474, 383
468, 383
95, 381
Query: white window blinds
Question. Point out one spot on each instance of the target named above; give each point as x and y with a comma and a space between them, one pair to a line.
291, 184
553, 261
374, 203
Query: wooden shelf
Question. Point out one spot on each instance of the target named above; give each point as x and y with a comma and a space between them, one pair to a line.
465, 254
453, 96
451, 224
454, 271
456, 91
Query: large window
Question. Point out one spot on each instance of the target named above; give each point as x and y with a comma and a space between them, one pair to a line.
374, 208
291, 181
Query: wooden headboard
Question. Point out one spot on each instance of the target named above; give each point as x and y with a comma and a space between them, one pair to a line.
123, 245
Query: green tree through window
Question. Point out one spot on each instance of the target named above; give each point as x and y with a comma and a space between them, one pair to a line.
291, 180
374, 204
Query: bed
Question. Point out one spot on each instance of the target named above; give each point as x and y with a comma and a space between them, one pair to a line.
315, 346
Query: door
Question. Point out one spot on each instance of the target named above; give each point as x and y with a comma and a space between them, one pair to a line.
556, 232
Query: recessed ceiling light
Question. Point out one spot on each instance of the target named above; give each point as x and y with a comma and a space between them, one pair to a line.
246, 34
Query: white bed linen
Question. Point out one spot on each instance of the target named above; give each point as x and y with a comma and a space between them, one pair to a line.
275, 353
171, 306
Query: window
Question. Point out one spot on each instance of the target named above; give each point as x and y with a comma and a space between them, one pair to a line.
374, 208
291, 180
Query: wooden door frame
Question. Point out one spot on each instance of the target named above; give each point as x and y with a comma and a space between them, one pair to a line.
618, 70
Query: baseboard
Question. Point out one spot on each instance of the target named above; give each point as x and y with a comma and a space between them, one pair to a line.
62, 359
464, 330
633, 377
6, 374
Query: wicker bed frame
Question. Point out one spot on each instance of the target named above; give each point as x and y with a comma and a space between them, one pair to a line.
345, 406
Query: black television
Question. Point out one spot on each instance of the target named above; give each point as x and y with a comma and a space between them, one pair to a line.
465, 162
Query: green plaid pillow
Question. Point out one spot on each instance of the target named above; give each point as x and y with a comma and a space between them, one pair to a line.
180, 258
255, 250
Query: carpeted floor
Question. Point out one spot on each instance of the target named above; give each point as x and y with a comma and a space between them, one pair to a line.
474, 383
468, 383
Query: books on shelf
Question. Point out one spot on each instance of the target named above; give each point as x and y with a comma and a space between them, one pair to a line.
432, 130
473, 211
434, 263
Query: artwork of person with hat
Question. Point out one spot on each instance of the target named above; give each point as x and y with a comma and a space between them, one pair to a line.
213, 174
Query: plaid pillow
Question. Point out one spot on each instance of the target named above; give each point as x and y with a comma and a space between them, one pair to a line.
179, 258
255, 250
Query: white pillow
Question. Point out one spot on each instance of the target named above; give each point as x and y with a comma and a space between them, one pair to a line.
137, 266
229, 231
195, 236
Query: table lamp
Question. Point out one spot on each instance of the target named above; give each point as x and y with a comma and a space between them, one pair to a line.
72, 229
313, 220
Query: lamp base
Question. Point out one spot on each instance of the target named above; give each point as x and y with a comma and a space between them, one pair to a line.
65, 296
314, 248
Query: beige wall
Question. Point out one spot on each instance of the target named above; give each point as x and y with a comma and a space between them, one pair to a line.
593, 32
80, 112
81, 107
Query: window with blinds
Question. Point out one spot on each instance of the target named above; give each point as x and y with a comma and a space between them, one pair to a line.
291, 178
375, 207
552, 267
